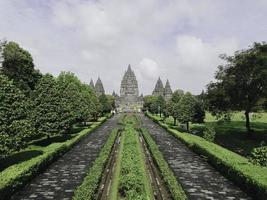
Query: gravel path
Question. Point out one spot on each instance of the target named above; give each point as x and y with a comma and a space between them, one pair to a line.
198, 178
61, 178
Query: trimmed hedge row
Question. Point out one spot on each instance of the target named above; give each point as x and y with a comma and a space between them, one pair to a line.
18, 175
174, 187
90, 183
251, 178
132, 181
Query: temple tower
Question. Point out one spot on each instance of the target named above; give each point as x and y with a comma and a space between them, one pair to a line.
159, 89
99, 88
92, 84
167, 91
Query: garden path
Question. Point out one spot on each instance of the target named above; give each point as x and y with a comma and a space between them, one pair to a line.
199, 179
61, 178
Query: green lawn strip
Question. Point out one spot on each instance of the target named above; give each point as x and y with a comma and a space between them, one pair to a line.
174, 187
148, 186
90, 183
133, 182
18, 175
115, 177
251, 178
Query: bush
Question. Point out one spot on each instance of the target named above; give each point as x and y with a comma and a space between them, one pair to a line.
259, 156
174, 187
209, 134
238, 169
131, 182
90, 183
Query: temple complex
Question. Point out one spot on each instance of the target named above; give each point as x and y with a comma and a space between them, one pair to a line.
129, 99
159, 90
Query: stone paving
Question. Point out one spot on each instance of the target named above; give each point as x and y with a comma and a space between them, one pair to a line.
61, 178
197, 177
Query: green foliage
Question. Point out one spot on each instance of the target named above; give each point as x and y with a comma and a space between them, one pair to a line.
174, 187
251, 178
90, 183
18, 175
241, 83
150, 103
107, 103
18, 66
52, 114
259, 156
209, 134
14, 124
132, 183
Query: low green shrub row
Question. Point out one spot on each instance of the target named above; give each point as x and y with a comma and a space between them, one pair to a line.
18, 175
174, 187
132, 181
90, 183
249, 177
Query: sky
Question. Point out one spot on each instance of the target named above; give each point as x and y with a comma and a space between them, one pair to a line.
179, 40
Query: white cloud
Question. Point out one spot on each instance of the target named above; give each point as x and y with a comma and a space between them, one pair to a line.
176, 39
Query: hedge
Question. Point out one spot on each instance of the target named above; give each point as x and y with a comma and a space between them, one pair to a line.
174, 187
16, 176
249, 177
90, 183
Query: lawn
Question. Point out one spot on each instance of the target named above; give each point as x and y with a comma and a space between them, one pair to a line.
232, 134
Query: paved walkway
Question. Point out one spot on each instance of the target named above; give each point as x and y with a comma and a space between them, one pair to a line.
61, 178
198, 178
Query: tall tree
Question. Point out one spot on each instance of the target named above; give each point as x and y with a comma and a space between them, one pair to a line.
186, 109
15, 126
52, 114
241, 82
18, 65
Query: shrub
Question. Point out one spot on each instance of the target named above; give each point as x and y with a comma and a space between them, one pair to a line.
209, 134
259, 156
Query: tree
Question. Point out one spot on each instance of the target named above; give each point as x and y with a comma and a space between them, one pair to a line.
168, 108
241, 83
15, 126
18, 66
150, 103
52, 114
199, 112
186, 109
174, 112
105, 104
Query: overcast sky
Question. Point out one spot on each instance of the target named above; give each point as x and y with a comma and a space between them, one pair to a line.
175, 39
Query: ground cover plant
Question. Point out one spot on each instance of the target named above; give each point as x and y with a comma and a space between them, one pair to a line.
133, 181
174, 187
34, 159
251, 178
89, 186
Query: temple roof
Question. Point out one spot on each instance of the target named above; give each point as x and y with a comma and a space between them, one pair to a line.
99, 88
159, 89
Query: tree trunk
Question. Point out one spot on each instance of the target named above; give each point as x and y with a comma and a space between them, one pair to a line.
174, 121
248, 124
187, 126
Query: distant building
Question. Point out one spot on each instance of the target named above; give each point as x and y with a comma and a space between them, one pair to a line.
99, 88
92, 84
129, 99
159, 90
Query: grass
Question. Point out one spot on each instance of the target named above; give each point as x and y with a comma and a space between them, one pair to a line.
232, 135
133, 181
251, 178
115, 178
22, 166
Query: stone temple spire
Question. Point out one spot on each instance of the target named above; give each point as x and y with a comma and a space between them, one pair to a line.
129, 85
99, 88
92, 84
167, 90
159, 89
